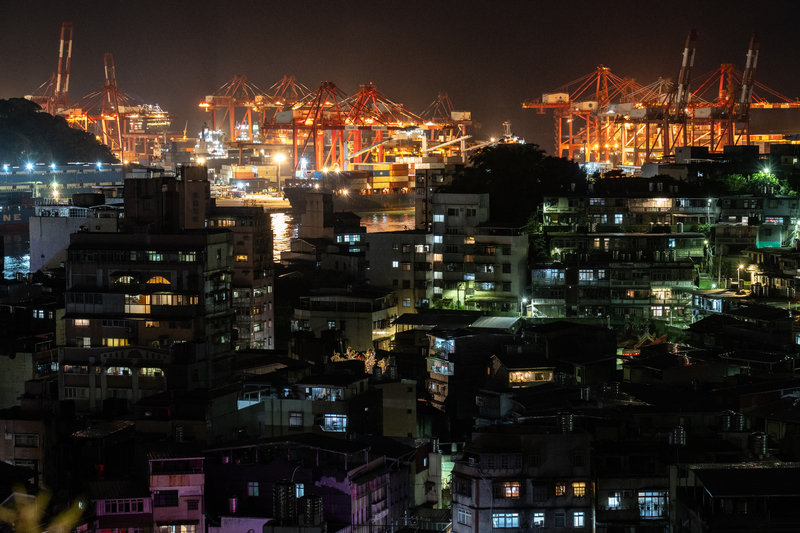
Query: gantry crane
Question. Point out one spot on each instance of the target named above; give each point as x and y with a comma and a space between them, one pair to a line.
237, 93
117, 120
638, 124
588, 130
328, 111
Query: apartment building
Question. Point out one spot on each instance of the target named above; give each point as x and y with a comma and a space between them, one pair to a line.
522, 478
359, 316
252, 273
137, 303
617, 274
401, 261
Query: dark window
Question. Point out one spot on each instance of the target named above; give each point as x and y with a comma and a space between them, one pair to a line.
192, 505
506, 269
406, 284
165, 498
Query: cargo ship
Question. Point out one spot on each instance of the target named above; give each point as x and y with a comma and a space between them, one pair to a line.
16, 209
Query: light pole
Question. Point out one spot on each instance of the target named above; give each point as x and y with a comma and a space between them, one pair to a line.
739, 277
279, 158
522, 310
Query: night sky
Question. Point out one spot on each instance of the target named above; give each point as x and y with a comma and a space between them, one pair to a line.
489, 56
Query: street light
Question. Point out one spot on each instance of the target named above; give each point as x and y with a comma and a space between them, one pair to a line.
279, 158
523, 310
739, 277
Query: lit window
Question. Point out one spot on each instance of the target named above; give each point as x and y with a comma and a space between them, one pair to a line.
241, 258
618, 219
111, 341
538, 518
561, 489
81, 322
579, 489
511, 489
124, 280
652, 504
295, 419
187, 257
505, 520
337, 423
614, 500
252, 488
438, 218
158, 280
406, 265
578, 519
155, 256
437, 239
300, 490
463, 516
406, 302
395, 264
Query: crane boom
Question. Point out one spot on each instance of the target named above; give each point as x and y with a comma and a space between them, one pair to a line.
62, 78
448, 143
685, 75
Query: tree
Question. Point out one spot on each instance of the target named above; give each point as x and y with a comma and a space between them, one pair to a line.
28, 135
516, 176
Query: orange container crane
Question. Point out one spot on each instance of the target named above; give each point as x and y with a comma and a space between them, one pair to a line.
444, 122
237, 93
582, 120
369, 110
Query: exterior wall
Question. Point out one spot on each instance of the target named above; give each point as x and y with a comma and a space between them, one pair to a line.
399, 408
252, 273
501, 267
412, 278
23, 443
90, 375
538, 463
362, 321
190, 486
152, 291
49, 236
455, 217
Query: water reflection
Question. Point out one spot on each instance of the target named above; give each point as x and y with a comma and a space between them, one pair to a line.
16, 258
284, 229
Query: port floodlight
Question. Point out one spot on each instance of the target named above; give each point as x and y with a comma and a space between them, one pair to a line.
29, 166
280, 158
325, 169
52, 166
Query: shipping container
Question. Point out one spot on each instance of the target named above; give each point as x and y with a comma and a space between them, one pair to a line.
461, 115
555, 98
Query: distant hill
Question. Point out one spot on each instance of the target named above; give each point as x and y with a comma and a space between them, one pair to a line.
29, 135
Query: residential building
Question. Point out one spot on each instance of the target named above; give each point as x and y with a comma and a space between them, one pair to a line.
518, 478
252, 273
401, 261
177, 485
146, 291
360, 317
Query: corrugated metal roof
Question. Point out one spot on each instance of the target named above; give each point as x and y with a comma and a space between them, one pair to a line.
103, 429
496, 322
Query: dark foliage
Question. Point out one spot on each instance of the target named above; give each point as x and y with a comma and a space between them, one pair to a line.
516, 176
29, 135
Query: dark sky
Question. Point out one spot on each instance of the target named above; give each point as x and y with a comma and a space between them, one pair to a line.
489, 56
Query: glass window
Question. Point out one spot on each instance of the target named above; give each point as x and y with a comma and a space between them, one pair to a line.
505, 520
300, 490
464, 517
561, 519
295, 419
652, 504
165, 498
337, 423
395, 264
579, 489
614, 500
252, 488
511, 489
561, 489
406, 302
538, 518
578, 519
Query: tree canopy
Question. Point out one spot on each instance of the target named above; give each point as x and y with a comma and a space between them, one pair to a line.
516, 176
29, 135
